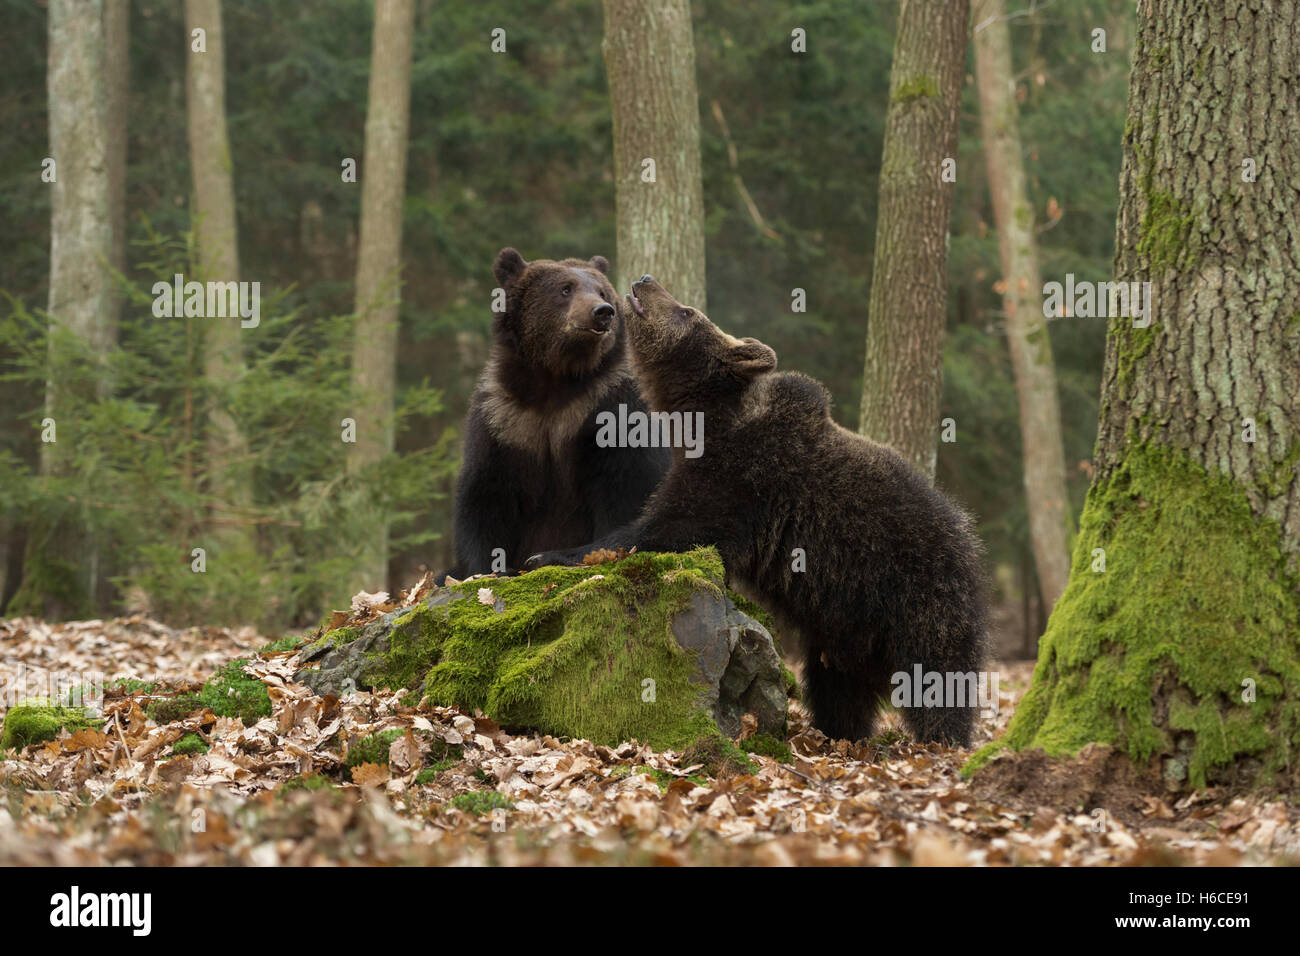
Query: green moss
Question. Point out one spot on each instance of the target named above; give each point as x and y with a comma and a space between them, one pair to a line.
481, 801
1133, 345
915, 88
286, 643
311, 781
768, 746
331, 639
1275, 480
430, 773
580, 652
36, 721
792, 690
372, 749
129, 685
1164, 232
190, 744
718, 757
663, 779
1151, 654
230, 693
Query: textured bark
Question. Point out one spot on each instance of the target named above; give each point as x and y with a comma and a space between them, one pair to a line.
117, 85
1027, 338
383, 186
1214, 83
650, 60
218, 246
65, 572
903, 378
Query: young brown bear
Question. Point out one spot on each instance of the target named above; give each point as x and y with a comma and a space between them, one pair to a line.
892, 578
533, 476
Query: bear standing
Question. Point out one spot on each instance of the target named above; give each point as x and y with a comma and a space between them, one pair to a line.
877, 570
533, 476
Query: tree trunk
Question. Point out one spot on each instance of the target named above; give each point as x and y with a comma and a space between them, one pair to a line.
62, 565
218, 258
903, 378
1183, 650
383, 186
117, 86
650, 60
1027, 336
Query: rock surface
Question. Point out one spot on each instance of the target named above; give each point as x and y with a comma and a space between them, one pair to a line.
638, 648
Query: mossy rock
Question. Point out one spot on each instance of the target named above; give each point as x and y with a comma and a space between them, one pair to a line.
34, 722
651, 648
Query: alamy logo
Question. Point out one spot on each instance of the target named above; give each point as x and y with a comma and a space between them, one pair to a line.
640, 429
102, 909
1101, 300
946, 689
27, 682
209, 300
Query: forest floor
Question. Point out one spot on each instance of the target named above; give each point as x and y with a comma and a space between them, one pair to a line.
279, 792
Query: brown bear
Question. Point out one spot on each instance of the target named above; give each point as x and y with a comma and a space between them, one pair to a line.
835, 534
533, 476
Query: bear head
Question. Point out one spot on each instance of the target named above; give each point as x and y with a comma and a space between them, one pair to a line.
562, 318
682, 359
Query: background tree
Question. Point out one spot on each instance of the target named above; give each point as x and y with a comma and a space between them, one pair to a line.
650, 59
1176, 638
902, 381
379, 262
806, 125
1026, 328
217, 248
63, 566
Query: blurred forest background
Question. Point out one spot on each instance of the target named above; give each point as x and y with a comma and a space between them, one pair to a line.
511, 148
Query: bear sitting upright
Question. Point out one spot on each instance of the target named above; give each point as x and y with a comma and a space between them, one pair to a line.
533, 476
892, 582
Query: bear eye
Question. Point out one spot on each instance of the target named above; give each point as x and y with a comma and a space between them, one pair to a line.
685, 313
566, 290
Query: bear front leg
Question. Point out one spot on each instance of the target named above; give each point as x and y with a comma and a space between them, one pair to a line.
650, 533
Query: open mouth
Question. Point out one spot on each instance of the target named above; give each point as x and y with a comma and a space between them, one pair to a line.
636, 306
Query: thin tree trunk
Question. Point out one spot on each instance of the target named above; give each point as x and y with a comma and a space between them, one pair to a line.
903, 378
383, 187
1182, 648
1027, 336
650, 61
117, 67
62, 561
218, 252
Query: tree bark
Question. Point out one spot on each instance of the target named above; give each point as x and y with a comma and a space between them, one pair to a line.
383, 188
218, 252
1182, 648
117, 86
1027, 335
62, 568
903, 378
650, 61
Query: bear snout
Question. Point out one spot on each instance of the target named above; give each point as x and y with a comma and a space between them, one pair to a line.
602, 317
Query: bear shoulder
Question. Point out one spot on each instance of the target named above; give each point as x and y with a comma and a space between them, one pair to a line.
794, 392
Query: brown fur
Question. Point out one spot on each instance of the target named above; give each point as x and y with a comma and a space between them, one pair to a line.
893, 576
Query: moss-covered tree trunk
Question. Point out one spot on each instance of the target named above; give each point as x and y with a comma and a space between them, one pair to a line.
658, 193
379, 259
1027, 338
216, 241
1178, 637
903, 375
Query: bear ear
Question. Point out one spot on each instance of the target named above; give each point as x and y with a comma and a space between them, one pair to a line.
600, 264
510, 265
750, 357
